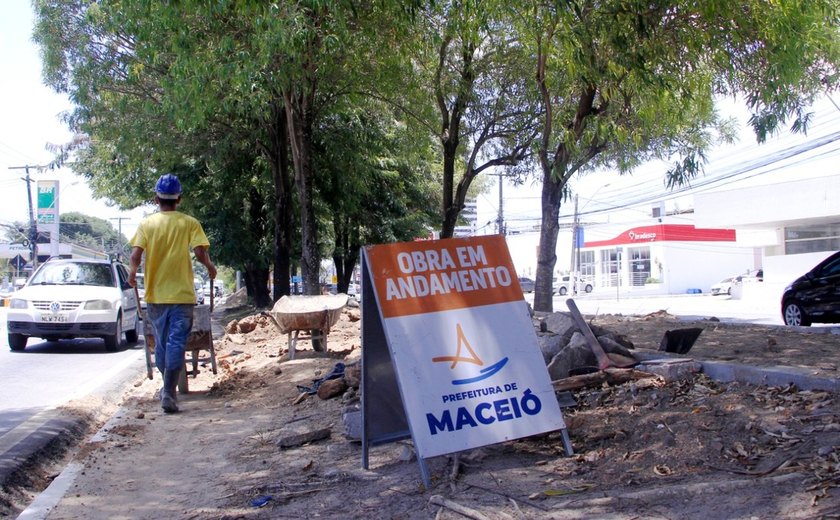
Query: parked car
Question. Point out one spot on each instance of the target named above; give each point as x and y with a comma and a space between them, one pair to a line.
141, 291
564, 286
815, 296
70, 298
199, 291
526, 284
724, 286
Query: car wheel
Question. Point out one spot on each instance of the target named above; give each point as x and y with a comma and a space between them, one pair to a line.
794, 316
131, 336
563, 291
588, 288
17, 342
112, 343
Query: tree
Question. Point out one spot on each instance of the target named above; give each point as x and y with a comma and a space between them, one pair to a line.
376, 181
156, 91
92, 232
464, 80
621, 82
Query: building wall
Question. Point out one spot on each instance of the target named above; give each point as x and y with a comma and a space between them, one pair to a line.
761, 214
700, 265
770, 206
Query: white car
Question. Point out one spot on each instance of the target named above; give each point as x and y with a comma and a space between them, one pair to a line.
71, 298
724, 286
562, 287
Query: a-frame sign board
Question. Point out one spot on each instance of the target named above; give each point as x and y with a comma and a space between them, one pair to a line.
449, 354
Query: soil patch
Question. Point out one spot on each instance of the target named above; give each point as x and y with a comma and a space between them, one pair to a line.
689, 449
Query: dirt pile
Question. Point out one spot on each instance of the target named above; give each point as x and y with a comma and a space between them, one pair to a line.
687, 449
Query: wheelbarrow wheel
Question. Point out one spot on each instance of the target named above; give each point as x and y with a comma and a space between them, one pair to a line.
318, 344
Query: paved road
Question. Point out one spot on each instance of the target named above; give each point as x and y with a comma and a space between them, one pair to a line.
685, 306
47, 375
761, 308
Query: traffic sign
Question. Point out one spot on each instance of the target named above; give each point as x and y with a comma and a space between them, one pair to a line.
18, 262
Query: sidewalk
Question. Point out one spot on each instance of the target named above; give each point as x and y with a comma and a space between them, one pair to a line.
221, 453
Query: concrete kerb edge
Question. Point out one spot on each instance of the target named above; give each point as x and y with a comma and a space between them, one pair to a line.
727, 372
46, 428
52, 495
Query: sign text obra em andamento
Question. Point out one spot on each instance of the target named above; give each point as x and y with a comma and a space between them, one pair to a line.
431, 272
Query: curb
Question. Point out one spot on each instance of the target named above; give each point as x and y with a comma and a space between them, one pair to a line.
728, 372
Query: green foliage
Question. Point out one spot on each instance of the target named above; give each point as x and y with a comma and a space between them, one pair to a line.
625, 81
207, 90
92, 232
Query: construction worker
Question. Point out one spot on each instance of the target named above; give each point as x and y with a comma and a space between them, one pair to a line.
166, 238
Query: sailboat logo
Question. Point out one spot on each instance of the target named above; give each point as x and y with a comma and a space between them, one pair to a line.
464, 345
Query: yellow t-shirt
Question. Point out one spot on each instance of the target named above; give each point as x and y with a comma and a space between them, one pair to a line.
166, 239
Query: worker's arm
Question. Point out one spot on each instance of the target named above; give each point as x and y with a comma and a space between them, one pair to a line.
203, 257
134, 264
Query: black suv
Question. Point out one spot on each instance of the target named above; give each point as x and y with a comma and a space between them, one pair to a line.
815, 296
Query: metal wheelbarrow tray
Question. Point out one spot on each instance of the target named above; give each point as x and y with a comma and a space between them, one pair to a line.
313, 316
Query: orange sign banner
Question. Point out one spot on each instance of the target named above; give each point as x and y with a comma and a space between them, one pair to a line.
441, 275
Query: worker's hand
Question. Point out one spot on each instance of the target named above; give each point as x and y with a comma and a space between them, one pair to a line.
212, 270
132, 279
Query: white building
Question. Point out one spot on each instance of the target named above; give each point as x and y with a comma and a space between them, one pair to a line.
663, 256
791, 226
784, 229
470, 215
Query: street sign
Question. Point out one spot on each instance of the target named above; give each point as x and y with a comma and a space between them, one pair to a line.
18, 262
445, 328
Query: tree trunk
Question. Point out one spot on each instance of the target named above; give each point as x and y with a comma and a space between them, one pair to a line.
256, 279
552, 194
283, 211
451, 130
299, 118
450, 209
345, 254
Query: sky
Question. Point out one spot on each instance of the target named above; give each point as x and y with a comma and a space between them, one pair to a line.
29, 119
606, 197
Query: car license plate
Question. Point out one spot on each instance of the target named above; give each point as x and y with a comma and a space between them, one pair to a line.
54, 318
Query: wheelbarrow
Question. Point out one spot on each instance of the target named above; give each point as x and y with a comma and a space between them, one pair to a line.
199, 340
304, 318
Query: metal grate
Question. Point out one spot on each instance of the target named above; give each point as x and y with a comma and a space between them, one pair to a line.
44, 305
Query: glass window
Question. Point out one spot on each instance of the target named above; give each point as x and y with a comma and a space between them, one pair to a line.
74, 273
609, 268
812, 239
587, 265
639, 265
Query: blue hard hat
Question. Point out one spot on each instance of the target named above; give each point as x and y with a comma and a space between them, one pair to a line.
168, 187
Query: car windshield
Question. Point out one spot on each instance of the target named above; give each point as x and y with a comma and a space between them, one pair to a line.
74, 273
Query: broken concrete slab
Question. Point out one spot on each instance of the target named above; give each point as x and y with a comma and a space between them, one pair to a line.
671, 369
295, 435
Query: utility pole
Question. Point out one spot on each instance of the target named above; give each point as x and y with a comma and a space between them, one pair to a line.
573, 270
500, 220
119, 232
33, 229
